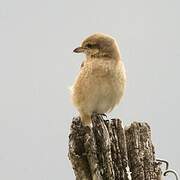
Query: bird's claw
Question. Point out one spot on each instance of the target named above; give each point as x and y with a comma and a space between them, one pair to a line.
97, 114
103, 115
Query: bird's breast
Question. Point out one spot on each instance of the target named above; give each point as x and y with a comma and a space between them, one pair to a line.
99, 86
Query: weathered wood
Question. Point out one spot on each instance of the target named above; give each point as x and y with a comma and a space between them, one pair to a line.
107, 151
77, 154
141, 153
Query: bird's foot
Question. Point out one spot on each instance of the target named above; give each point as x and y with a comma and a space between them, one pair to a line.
98, 114
104, 115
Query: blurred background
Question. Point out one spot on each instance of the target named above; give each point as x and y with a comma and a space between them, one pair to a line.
37, 67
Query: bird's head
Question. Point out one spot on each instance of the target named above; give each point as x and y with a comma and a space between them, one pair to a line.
99, 46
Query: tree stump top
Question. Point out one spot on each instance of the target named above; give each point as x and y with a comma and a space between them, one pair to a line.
108, 151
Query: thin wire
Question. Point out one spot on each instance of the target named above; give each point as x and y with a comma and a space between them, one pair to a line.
165, 162
171, 171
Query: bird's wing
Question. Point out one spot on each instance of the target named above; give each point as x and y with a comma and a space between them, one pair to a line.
82, 64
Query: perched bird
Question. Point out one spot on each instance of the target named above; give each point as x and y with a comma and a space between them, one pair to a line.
100, 83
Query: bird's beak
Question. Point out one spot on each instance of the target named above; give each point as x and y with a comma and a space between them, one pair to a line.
79, 50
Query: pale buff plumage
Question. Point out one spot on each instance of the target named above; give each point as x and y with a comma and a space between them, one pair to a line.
100, 83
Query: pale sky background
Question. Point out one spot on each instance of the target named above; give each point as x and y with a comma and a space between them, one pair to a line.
37, 66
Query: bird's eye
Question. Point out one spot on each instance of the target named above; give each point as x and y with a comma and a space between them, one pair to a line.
89, 45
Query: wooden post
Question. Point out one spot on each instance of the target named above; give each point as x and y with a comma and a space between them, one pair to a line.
108, 151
